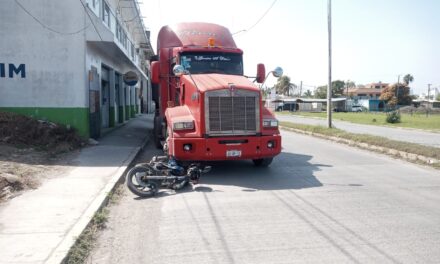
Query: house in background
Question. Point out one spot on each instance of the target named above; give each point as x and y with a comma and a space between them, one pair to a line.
370, 91
367, 96
309, 104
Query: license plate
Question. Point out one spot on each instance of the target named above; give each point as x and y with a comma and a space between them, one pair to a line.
233, 153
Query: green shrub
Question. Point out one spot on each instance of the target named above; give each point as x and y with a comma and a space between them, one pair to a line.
393, 117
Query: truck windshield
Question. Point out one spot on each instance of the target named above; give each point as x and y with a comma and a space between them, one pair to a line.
204, 62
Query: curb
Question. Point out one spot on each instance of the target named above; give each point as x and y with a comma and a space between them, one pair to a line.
392, 152
60, 253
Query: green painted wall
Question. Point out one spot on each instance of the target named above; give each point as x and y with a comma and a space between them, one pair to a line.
121, 114
75, 117
127, 112
112, 116
133, 111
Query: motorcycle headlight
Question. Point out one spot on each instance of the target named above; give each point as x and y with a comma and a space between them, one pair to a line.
184, 125
270, 123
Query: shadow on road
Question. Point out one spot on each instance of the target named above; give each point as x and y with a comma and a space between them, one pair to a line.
287, 171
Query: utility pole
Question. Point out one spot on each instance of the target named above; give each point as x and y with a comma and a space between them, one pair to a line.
429, 91
329, 88
300, 88
346, 96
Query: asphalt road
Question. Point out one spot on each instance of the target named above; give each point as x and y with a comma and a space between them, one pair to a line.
401, 134
318, 202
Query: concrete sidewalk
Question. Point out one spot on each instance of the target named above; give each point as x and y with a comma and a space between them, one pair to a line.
40, 226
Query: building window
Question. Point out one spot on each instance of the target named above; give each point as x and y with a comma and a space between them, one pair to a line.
118, 30
106, 14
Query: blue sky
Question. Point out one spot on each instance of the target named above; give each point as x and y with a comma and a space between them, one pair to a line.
372, 40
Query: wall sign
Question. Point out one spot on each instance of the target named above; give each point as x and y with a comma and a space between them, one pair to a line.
130, 78
9, 70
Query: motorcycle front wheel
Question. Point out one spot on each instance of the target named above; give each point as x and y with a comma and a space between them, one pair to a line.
138, 183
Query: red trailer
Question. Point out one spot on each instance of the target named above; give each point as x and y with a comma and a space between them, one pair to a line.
206, 109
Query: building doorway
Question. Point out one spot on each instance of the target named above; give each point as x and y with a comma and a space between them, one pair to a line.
105, 98
94, 104
381, 106
119, 114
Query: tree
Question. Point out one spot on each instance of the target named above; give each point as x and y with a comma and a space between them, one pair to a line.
337, 90
308, 94
438, 98
407, 79
396, 94
284, 86
350, 84
321, 92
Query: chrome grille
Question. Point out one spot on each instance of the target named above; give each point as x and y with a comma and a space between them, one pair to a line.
234, 113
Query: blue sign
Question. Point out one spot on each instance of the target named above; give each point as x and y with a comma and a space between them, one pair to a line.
130, 78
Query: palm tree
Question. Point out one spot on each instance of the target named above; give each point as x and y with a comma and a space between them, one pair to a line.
283, 85
308, 94
408, 79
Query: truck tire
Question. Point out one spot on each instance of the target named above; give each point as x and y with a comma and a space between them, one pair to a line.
262, 162
157, 132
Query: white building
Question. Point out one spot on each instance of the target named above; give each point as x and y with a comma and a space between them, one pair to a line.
64, 61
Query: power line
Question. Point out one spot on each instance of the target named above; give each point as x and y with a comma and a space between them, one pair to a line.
259, 20
47, 27
91, 20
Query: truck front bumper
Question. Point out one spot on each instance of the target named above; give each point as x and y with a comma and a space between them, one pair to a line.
225, 148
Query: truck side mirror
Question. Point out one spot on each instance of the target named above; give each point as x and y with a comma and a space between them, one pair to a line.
178, 70
155, 68
261, 72
277, 72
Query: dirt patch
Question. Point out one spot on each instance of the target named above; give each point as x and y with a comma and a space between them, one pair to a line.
31, 151
22, 169
22, 130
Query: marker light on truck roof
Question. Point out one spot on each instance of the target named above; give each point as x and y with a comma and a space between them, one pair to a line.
211, 42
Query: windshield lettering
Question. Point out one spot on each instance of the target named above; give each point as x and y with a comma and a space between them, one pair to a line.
223, 63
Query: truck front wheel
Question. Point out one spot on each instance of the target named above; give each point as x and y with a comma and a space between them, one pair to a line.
157, 132
262, 162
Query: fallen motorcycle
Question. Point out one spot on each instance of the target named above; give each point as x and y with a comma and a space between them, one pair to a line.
145, 179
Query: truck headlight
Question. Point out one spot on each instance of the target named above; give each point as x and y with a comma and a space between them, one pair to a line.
184, 125
270, 123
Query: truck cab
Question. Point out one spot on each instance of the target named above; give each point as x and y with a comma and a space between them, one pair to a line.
207, 109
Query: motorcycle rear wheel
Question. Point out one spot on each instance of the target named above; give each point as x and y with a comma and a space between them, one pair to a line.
145, 188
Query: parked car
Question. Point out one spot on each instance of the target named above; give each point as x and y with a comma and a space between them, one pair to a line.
356, 108
287, 107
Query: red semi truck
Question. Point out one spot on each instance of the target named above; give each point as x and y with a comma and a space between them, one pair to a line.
206, 109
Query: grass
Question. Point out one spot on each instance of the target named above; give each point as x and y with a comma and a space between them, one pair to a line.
115, 196
418, 149
85, 242
419, 121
